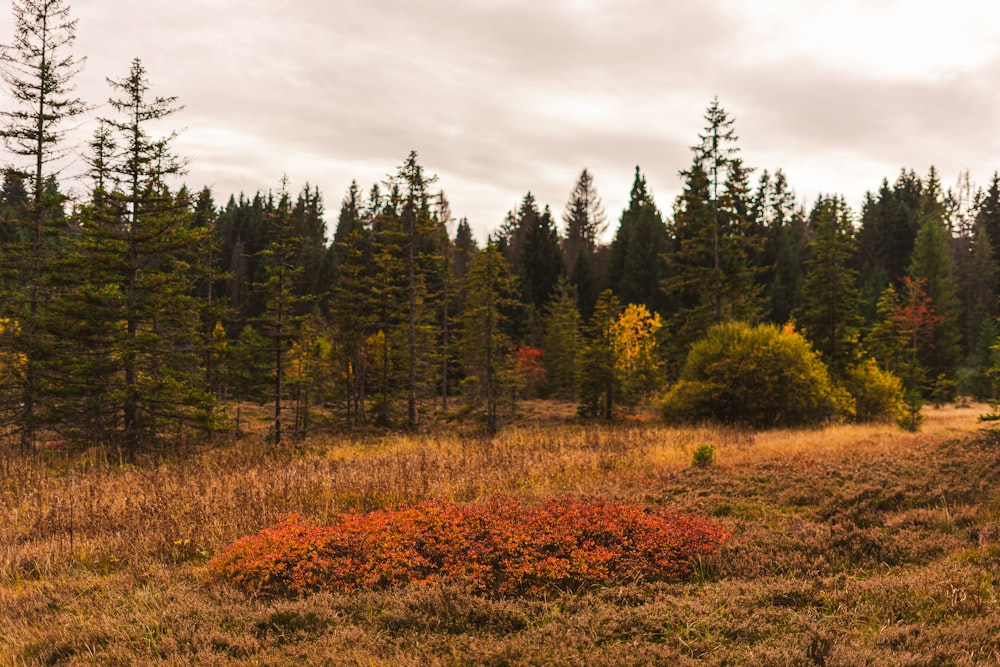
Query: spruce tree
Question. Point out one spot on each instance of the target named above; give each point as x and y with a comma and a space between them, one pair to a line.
637, 263
585, 222
351, 313
830, 312
38, 72
561, 340
596, 380
712, 271
137, 238
931, 264
534, 252
283, 315
490, 291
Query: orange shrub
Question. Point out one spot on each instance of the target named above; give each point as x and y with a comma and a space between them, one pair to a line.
500, 547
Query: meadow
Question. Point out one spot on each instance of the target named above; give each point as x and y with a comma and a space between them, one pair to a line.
850, 545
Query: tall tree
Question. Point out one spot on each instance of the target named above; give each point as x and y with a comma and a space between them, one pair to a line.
490, 290
425, 245
350, 305
637, 255
596, 361
889, 223
712, 270
38, 72
931, 263
282, 318
138, 239
531, 244
988, 210
585, 221
561, 340
786, 234
830, 314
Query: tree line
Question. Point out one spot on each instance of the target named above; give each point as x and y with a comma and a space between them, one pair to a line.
140, 313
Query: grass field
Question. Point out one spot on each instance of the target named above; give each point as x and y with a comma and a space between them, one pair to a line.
851, 545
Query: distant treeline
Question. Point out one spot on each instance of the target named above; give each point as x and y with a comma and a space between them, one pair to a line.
135, 314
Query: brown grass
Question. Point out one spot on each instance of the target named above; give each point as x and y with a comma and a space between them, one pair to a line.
852, 545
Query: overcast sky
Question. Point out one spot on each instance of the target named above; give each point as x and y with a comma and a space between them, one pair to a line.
500, 97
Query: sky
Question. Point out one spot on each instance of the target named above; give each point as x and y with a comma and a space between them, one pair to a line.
503, 97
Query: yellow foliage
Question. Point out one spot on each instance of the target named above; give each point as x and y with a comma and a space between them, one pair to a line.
633, 339
632, 336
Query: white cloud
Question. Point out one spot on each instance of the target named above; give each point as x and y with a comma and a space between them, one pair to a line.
502, 97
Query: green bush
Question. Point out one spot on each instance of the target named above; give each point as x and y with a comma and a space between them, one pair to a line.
878, 394
756, 376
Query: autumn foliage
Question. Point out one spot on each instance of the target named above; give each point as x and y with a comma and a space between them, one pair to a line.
501, 547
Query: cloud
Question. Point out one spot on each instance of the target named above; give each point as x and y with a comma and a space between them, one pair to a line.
504, 96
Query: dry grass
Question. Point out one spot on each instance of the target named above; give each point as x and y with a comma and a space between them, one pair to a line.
852, 545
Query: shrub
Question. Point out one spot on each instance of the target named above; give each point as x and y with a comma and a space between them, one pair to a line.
878, 394
911, 418
703, 455
501, 547
758, 376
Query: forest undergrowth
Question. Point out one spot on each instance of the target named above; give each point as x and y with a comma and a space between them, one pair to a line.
855, 544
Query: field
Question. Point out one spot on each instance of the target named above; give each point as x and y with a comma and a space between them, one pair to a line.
851, 545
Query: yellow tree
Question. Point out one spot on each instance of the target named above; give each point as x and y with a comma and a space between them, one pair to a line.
637, 365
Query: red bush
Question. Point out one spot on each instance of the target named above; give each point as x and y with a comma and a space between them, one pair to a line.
501, 547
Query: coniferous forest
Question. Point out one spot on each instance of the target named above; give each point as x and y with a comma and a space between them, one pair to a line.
141, 312
304, 428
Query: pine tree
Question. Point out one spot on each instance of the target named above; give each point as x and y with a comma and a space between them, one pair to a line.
931, 263
489, 292
350, 311
889, 223
637, 255
561, 340
585, 222
424, 243
988, 210
596, 379
712, 272
532, 248
830, 313
136, 240
38, 74
283, 315
785, 231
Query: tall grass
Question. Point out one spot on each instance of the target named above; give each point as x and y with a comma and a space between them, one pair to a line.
852, 544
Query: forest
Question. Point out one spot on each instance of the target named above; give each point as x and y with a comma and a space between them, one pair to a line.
258, 429
142, 313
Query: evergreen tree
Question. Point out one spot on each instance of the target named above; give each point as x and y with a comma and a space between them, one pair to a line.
38, 74
463, 248
712, 269
596, 379
425, 244
561, 340
137, 238
988, 211
830, 313
489, 292
978, 283
931, 264
532, 248
585, 222
889, 223
637, 255
14, 204
786, 235
350, 304
281, 321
